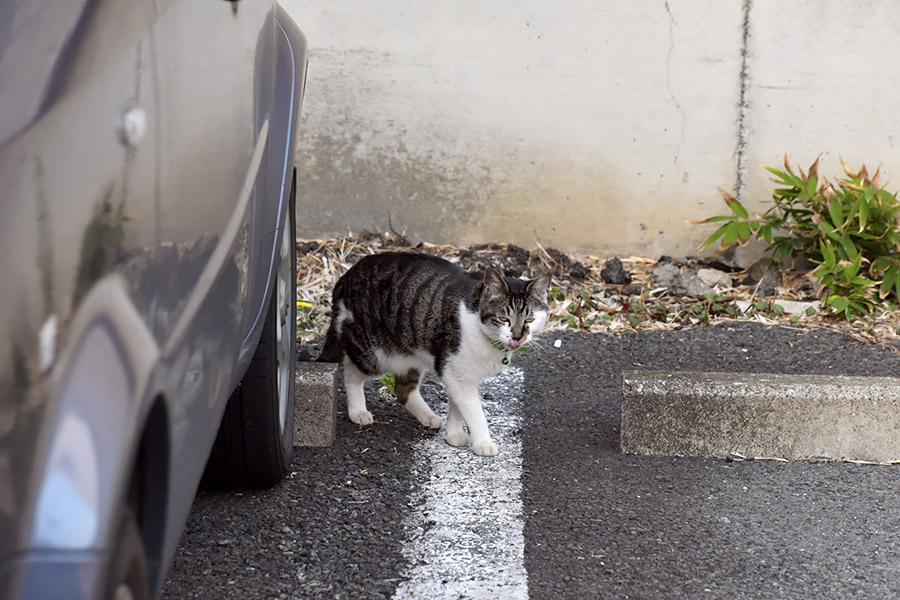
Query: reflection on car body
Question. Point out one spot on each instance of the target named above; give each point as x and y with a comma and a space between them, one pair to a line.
147, 191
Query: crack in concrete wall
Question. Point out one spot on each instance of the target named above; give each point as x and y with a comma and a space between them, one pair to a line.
740, 186
675, 102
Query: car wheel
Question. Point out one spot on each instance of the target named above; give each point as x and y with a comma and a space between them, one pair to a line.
255, 441
129, 575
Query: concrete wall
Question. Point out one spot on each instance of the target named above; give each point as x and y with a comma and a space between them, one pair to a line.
585, 124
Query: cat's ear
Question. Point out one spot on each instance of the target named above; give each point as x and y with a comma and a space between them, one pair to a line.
539, 287
494, 284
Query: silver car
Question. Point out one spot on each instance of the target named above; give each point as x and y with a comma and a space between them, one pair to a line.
147, 277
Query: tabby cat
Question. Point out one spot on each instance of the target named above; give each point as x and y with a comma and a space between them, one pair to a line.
408, 313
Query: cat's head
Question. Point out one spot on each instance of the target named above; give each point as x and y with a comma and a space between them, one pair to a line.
512, 310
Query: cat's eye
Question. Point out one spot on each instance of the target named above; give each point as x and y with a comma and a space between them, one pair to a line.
503, 319
529, 320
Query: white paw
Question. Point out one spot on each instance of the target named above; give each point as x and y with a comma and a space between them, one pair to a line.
361, 417
487, 448
457, 438
432, 421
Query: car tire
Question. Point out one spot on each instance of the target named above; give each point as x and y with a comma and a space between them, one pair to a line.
254, 445
129, 573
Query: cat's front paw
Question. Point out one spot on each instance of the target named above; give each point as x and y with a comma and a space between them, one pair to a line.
457, 438
431, 421
487, 448
361, 417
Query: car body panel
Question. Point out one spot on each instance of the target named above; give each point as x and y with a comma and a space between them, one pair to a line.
140, 255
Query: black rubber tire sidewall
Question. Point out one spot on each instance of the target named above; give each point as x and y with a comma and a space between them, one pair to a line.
251, 448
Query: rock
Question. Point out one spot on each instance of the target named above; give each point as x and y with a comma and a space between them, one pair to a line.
791, 307
688, 284
306, 247
517, 253
718, 265
715, 278
613, 272
762, 276
579, 271
679, 284
558, 257
798, 308
663, 275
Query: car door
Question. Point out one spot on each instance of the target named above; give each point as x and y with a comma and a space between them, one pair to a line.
213, 152
78, 166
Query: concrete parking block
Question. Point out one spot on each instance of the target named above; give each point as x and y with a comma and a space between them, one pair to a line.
796, 417
315, 404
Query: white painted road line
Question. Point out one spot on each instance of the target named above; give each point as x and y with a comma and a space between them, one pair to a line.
464, 536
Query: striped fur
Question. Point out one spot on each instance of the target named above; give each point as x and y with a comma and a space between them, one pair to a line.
408, 313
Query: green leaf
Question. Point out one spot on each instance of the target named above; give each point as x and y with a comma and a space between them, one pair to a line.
715, 219
836, 212
860, 308
890, 277
887, 197
731, 233
744, 232
838, 303
827, 254
851, 270
733, 203
864, 208
388, 381
849, 247
810, 311
811, 185
824, 226
881, 264
786, 178
718, 233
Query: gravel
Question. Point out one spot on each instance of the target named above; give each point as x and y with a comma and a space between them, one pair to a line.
332, 530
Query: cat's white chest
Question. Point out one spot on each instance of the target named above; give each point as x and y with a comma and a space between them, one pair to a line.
477, 357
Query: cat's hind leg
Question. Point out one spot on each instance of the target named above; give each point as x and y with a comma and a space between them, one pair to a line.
354, 382
407, 390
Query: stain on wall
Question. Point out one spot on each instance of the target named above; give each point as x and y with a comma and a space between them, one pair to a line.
594, 125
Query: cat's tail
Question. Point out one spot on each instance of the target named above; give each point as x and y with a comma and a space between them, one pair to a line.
333, 352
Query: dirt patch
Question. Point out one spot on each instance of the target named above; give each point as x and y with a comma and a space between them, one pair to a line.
603, 294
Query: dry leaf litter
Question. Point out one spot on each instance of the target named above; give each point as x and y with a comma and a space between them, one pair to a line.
580, 298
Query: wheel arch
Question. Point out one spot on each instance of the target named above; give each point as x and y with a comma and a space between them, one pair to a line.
280, 86
148, 489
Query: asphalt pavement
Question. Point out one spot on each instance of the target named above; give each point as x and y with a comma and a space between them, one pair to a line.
364, 518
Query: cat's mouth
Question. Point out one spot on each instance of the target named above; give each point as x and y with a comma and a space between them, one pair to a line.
513, 343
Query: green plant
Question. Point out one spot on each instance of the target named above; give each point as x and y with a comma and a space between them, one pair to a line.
849, 228
389, 381
577, 311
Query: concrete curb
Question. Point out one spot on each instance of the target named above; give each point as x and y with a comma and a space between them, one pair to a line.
796, 417
315, 404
